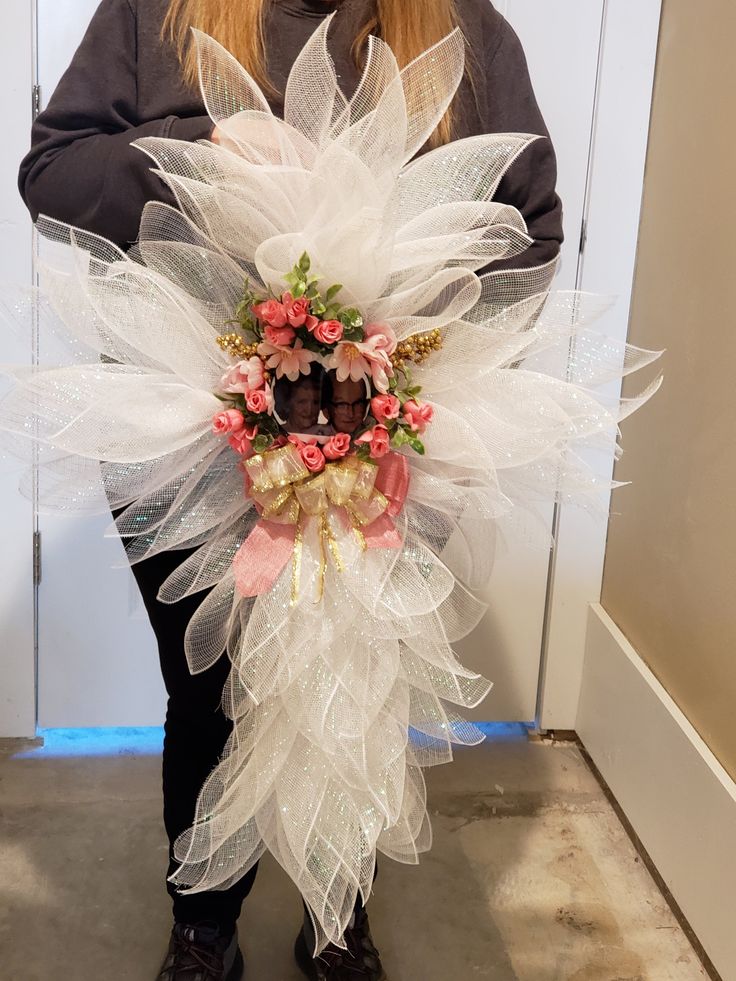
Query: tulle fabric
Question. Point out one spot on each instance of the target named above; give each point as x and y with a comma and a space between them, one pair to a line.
338, 705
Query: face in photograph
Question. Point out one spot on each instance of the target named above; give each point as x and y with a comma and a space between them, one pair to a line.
348, 404
299, 404
303, 405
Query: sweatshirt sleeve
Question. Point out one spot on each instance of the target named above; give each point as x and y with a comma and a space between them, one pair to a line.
81, 167
530, 183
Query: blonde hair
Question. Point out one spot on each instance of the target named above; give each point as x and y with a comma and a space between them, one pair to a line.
407, 26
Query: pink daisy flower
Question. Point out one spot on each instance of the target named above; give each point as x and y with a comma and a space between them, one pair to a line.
289, 361
358, 359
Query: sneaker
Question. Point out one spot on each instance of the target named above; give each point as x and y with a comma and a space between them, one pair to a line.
197, 952
360, 962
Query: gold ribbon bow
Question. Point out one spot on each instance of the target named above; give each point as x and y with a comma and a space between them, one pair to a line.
287, 490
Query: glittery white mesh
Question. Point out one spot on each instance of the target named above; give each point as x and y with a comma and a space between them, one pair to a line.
337, 705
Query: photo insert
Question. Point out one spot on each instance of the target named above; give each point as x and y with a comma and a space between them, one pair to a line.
318, 404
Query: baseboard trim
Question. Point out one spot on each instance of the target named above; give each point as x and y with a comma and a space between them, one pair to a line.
679, 800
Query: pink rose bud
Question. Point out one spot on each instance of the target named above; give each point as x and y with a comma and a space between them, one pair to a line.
417, 415
229, 421
270, 312
383, 337
291, 438
240, 442
328, 331
296, 310
280, 336
337, 446
378, 439
311, 322
313, 458
385, 407
381, 442
243, 376
257, 401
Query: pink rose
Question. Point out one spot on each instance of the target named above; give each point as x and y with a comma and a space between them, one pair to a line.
241, 441
271, 312
279, 335
418, 416
385, 407
383, 337
257, 401
229, 421
378, 439
337, 446
381, 442
296, 310
313, 457
311, 322
328, 331
300, 443
245, 376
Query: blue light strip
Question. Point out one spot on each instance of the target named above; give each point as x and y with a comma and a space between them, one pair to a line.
129, 741
505, 732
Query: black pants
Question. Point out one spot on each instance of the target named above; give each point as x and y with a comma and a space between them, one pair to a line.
195, 732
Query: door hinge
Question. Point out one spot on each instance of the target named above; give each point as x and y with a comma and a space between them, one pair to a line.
583, 236
36, 100
36, 558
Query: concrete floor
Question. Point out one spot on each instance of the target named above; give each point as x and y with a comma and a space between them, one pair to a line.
531, 878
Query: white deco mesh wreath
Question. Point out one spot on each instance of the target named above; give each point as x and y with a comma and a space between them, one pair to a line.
338, 562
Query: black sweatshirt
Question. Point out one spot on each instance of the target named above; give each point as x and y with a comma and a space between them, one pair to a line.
124, 83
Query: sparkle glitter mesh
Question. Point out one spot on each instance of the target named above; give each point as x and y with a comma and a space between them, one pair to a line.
320, 768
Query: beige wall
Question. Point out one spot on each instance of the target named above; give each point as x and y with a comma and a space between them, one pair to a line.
670, 571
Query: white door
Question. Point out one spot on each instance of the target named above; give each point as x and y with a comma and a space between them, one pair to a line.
561, 39
97, 655
17, 668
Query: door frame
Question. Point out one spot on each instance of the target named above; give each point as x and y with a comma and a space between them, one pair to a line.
620, 134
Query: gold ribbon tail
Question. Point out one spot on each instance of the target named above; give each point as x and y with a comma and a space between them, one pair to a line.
296, 565
322, 558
